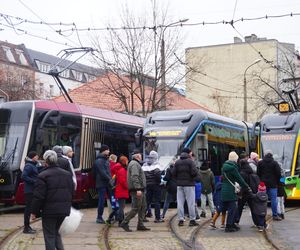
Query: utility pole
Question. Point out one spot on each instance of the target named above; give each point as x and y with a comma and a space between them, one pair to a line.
163, 64
245, 89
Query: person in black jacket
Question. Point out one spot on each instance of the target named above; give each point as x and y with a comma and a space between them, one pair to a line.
171, 189
52, 197
29, 176
269, 172
62, 162
103, 180
185, 172
152, 172
247, 173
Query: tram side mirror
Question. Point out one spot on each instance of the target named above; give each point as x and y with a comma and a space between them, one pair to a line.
138, 137
39, 135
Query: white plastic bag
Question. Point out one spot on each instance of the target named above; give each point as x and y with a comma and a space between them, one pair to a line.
71, 222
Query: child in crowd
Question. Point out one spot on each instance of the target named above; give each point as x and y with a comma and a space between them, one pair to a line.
218, 204
280, 198
113, 202
207, 180
260, 200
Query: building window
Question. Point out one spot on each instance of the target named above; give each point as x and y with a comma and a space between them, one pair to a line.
51, 90
9, 54
77, 75
65, 73
43, 67
41, 88
22, 58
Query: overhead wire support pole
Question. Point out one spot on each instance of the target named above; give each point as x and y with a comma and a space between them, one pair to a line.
55, 72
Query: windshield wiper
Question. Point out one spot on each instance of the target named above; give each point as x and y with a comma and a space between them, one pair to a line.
10, 155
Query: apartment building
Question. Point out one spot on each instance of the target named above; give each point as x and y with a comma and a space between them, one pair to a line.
239, 79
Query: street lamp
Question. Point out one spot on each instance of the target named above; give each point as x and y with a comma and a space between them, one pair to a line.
163, 63
245, 88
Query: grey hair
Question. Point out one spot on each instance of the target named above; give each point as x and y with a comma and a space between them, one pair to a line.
50, 157
58, 149
66, 149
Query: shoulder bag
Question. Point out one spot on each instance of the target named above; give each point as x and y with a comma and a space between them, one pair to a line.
236, 185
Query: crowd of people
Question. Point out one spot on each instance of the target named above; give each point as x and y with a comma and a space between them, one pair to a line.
244, 180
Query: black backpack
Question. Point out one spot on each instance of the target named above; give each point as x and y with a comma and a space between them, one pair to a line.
254, 182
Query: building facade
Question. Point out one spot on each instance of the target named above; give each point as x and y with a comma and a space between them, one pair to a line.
24, 73
17, 76
241, 79
72, 77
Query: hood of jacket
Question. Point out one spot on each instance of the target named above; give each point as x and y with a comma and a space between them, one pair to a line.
245, 167
152, 167
28, 160
206, 171
268, 158
103, 156
184, 155
229, 166
262, 196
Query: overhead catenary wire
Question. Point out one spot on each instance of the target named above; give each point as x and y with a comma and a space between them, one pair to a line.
50, 26
74, 28
25, 32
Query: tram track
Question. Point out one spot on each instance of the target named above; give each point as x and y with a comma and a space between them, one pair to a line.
189, 243
266, 233
106, 235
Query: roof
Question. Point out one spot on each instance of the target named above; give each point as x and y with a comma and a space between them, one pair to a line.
20, 59
98, 94
46, 58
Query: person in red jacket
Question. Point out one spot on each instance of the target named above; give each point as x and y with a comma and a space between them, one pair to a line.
121, 191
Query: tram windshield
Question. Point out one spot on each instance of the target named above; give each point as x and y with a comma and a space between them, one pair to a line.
167, 148
282, 147
14, 121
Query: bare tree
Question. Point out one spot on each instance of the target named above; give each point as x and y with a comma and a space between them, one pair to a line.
132, 59
271, 91
17, 84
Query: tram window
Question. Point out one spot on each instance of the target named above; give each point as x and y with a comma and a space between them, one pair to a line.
202, 154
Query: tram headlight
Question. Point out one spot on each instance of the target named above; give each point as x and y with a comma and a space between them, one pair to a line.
2, 181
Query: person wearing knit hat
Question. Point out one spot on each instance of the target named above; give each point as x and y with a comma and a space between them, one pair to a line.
104, 148
29, 176
261, 187
231, 176
102, 174
233, 156
260, 200
253, 160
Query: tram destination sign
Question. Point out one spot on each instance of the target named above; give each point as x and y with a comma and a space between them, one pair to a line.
166, 133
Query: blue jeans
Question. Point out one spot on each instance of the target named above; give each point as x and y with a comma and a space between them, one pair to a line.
231, 208
169, 198
261, 220
272, 194
101, 191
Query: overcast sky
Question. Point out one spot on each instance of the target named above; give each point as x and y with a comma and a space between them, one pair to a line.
97, 13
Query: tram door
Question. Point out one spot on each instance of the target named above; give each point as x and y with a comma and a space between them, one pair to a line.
199, 147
